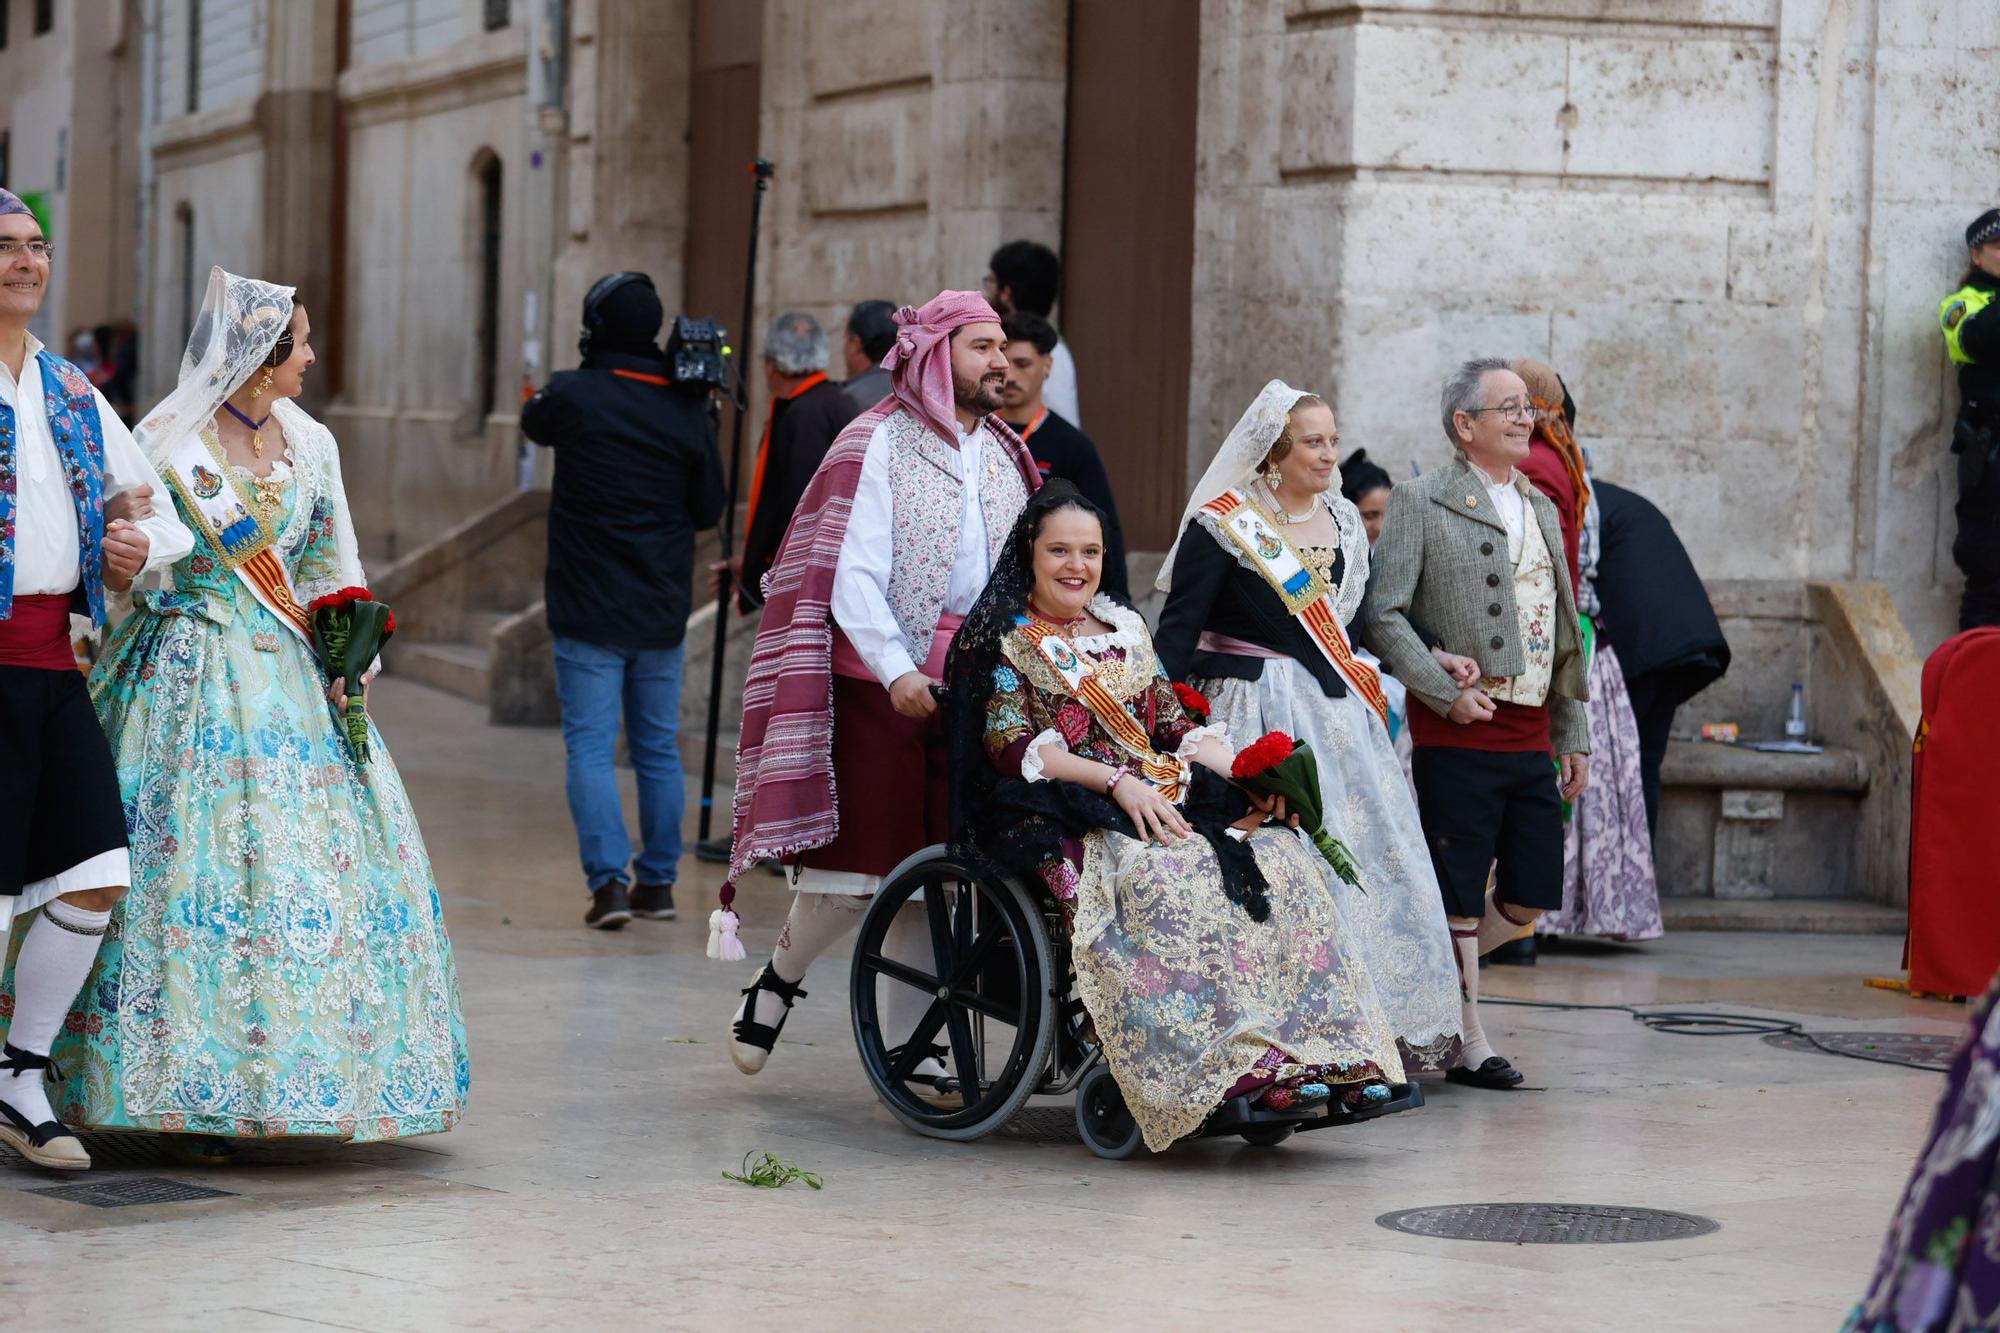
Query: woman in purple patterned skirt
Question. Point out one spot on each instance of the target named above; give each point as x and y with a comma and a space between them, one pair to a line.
1940, 1265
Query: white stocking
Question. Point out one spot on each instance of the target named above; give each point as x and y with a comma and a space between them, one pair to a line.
816, 922
1465, 942
1503, 923
908, 941
54, 963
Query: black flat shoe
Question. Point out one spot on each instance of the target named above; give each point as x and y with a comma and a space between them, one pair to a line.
1514, 953
1493, 1073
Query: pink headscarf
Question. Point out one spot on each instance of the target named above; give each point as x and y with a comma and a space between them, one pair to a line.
919, 365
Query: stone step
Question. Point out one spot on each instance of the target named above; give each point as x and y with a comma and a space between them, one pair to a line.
462, 669
478, 626
1803, 916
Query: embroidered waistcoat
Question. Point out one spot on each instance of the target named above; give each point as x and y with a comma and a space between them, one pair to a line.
1535, 605
71, 406
929, 505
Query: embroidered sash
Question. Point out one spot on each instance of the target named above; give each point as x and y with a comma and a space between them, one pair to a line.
235, 526
1170, 775
71, 409
1304, 593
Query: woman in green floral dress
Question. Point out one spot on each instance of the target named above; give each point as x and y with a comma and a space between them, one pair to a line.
280, 966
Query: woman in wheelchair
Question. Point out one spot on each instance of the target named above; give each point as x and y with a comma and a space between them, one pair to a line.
1210, 950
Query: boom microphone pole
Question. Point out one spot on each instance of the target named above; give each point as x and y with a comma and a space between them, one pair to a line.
709, 848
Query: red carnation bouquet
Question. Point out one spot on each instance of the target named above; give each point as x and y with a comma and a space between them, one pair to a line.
1276, 765
349, 628
1194, 703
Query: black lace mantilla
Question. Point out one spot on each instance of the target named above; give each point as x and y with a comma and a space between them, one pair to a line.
1018, 826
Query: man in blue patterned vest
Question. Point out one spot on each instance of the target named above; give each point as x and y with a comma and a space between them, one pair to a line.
62, 827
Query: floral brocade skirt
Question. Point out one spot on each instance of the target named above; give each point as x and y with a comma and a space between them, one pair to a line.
1398, 913
280, 965
1188, 994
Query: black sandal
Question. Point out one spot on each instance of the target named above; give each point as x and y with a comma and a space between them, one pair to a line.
942, 1089
747, 1031
24, 1136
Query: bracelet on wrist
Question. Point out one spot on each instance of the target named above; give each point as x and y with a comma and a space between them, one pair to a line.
1117, 776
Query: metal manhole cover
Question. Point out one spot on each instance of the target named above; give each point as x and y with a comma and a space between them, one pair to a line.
1547, 1223
1041, 1124
1920, 1048
125, 1193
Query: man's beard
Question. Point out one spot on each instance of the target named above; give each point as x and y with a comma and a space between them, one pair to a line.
977, 396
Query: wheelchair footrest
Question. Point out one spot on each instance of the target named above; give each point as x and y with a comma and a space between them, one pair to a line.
1241, 1113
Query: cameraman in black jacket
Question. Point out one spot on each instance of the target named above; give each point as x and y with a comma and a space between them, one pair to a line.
637, 475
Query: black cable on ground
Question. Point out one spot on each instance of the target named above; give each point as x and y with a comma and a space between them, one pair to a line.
1688, 1023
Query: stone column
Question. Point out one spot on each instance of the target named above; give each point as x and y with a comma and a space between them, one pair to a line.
624, 201
295, 116
909, 142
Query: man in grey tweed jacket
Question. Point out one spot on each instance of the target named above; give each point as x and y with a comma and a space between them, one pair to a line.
1473, 552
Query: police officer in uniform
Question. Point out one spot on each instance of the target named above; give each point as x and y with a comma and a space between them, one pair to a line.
1970, 319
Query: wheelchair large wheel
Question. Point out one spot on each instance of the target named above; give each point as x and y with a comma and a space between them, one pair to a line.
988, 974
1103, 1119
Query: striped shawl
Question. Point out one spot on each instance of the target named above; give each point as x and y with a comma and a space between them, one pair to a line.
785, 797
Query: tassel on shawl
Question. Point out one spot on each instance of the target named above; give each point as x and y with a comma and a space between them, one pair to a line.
723, 924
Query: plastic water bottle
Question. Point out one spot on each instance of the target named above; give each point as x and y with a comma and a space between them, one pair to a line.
1795, 720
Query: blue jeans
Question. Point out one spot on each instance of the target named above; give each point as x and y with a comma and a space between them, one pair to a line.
594, 682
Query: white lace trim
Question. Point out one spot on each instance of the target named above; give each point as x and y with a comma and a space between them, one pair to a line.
1128, 627
1031, 758
1192, 741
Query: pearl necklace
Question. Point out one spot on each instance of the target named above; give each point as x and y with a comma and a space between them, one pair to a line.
1285, 516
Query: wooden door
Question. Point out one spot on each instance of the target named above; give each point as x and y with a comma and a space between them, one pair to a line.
728, 56
1128, 247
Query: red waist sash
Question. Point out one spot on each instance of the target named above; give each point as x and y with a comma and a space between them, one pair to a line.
37, 633
1513, 729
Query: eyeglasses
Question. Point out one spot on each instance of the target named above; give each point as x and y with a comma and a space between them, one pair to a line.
1513, 409
42, 250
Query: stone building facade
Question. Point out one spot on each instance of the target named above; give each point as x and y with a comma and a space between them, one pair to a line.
70, 139
1726, 222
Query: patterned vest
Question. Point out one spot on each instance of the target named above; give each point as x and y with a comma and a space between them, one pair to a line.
1535, 605
71, 406
930, 501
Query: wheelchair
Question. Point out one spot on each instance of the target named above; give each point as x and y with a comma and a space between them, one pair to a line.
1007, 1024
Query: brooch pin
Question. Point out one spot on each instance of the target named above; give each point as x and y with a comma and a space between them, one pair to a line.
264, 641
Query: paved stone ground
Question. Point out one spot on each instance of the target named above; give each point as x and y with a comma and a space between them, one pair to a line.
584, 1188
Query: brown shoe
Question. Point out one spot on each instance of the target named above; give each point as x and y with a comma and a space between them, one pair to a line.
609, 908
655, 902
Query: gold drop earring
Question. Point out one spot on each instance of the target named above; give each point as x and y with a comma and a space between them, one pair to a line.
257, 389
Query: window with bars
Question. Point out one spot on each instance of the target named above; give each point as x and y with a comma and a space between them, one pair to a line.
498, 14
45, 16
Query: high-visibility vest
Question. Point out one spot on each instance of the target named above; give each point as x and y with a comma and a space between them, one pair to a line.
1953, 311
